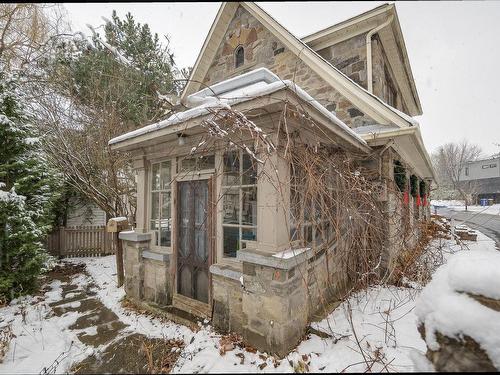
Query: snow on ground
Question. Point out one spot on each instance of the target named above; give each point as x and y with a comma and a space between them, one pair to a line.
459, 206
445, 306
375, 328
40, 338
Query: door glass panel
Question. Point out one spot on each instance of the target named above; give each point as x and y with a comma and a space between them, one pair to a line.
249, 206
231, 241
200, 208
185, 282
193, 249
183, 241
202, 286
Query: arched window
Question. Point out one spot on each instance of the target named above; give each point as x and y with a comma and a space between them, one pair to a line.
239, 57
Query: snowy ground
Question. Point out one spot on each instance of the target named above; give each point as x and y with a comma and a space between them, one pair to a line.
459, 206
374, 329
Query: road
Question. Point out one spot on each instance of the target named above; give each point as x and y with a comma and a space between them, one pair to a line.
486, 223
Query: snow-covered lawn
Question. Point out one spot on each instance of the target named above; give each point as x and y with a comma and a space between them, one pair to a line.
459, 206
375, 328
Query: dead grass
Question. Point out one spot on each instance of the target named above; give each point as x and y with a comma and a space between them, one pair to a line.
6, 336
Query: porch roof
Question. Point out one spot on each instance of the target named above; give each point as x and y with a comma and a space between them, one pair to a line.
246, 87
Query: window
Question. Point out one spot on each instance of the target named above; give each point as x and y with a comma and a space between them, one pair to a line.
239, 189
466, 171
493, 165
391, 90
197, 163
160, 207
308, 225
239, 57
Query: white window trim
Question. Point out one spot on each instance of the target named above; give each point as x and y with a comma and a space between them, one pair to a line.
153, 233
219, 167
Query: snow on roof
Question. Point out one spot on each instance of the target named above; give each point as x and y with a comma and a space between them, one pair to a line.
444, 307
256, 83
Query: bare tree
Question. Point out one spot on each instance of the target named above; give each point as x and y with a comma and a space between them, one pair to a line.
450, 161
26, 32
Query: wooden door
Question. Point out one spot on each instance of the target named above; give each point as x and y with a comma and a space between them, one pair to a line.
193, 240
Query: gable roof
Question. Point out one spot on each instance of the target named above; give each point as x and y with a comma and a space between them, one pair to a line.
392, 41
357, 95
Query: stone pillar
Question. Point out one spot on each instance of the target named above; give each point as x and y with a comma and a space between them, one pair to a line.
274, 300
133, 245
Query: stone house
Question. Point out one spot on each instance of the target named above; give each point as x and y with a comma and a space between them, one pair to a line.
212, 237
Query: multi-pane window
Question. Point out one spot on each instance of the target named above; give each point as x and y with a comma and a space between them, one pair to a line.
309, 222
160, 208
197, 163
391, 93
239, 189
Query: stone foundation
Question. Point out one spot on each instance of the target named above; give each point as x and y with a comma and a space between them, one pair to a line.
147, 273
271, 300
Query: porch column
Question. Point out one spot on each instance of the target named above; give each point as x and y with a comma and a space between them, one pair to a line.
140, 167
273, 201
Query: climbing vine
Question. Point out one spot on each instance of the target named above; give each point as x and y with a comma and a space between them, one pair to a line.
413, 185
399, 175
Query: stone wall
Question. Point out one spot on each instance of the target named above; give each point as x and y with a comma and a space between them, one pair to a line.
349, 56
263, 49
271, 302
147, 274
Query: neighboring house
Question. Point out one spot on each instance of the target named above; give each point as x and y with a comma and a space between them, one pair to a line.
82, 213
229, 259
483, 177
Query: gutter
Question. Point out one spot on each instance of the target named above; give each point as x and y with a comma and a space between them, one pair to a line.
369, 64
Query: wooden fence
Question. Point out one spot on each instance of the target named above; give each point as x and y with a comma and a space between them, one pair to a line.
80, 242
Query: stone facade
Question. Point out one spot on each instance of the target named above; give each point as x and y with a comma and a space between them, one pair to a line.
349, 56
272, 300
263, 49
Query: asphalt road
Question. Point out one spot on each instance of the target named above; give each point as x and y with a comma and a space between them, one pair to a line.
486, 223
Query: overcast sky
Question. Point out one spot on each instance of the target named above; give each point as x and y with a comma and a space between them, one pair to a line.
454, 51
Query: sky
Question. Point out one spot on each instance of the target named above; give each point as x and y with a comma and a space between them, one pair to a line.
453, 47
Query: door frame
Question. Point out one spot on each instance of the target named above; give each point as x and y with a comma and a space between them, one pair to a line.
192, 305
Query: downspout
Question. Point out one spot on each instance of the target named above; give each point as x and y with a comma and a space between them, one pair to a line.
369, 70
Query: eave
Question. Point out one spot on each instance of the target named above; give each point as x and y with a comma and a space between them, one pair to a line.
392, 41
409, 144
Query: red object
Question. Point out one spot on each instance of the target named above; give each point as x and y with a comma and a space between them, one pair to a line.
419, 201
425, 200
406, 198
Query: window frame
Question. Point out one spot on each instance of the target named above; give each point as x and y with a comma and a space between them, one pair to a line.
237, 63
241, 188
156, 232
312, 225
